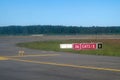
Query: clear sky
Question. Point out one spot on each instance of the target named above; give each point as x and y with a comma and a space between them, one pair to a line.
60, 12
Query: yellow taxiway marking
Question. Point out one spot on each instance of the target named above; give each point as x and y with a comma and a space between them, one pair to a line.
69, 65
33, 55
3, 58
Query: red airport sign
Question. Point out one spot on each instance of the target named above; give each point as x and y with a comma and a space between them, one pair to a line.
85, 46
77, 46
82, 46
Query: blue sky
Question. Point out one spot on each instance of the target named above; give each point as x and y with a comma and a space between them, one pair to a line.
60, 12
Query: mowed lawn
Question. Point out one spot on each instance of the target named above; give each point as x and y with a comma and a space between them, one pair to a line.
111, 47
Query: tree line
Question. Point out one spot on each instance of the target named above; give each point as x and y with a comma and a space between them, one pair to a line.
57, 30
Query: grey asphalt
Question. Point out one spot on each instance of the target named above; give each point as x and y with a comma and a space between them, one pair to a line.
22, 70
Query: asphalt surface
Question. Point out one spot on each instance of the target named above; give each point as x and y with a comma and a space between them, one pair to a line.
50, 65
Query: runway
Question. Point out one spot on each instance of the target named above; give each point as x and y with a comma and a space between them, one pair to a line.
50, 65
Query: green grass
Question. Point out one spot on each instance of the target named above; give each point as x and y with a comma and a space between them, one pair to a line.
111, 47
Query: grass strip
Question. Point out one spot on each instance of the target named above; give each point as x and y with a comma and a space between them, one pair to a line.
111, 47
